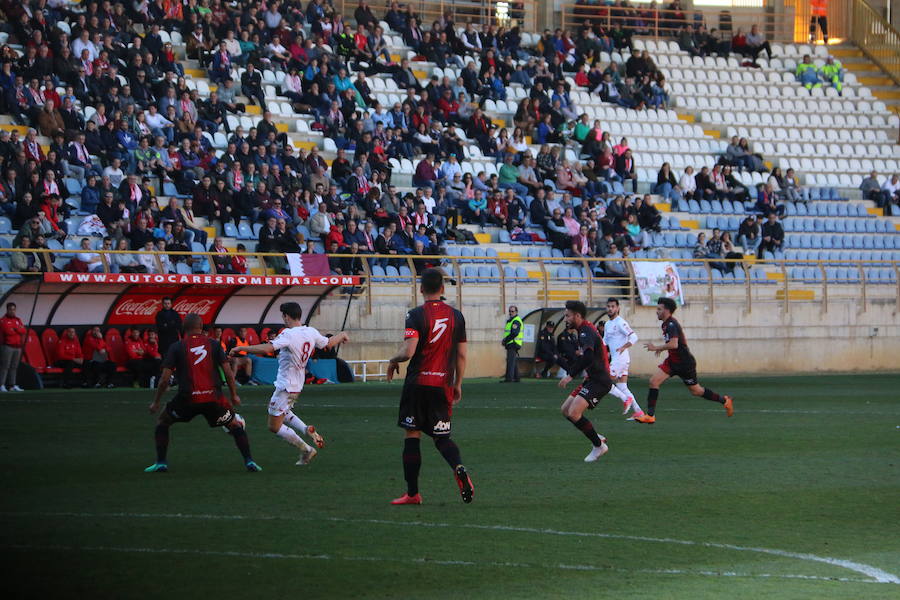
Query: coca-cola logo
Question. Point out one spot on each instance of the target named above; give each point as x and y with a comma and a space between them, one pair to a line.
138, 308
150, 306
200, 306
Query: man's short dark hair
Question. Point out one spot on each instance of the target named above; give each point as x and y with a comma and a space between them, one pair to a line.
169, 298
577, 306
192, 322
292, 309
10, 305
613, 300
432, 280
668, 304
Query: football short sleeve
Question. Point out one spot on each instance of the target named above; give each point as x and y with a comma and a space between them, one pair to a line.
171, 359
282, 340
412, 326
460, 328
319, 340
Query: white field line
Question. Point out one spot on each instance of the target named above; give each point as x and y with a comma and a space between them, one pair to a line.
426, 561
876, 574
550, 407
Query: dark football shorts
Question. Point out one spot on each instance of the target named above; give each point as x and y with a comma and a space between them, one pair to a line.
687, 371
593, 389
217, 414
425, 408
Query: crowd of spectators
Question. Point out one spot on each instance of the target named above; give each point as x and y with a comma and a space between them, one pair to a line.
128, 125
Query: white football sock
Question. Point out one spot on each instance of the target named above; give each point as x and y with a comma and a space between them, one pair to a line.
288, 435
295, 422
624, 388
615, 391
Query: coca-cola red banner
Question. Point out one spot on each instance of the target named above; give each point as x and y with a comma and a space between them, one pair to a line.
176, 279
140, 309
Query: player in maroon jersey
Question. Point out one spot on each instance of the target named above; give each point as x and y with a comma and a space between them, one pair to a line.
195, 360
591, 357
679, 363
435, 346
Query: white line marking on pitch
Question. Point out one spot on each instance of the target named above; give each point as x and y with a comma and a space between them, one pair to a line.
878, 575
425, 561
549, 407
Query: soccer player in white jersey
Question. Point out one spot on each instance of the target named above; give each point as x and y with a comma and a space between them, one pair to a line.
295, 344
619, 337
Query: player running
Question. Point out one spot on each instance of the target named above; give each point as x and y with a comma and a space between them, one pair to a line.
590, 356
296, 343
619, 337
196, 360
435, 344
679, 363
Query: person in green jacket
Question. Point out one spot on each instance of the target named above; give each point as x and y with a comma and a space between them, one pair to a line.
833, 73
808, 74
513, 337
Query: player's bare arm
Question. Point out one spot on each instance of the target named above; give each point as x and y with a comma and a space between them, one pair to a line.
407, 350
461, 350
161, 389
672, 344
266, 348
232, 386
624, 347
335, 340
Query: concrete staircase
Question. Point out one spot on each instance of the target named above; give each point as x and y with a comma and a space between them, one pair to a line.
868, 73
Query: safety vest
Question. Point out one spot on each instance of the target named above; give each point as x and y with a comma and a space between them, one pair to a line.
803, 67
520, 338
833, 70
239, 342
819, 7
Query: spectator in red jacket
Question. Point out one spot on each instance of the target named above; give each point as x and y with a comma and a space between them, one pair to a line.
69, 357
140, 363
99, 369
11, 351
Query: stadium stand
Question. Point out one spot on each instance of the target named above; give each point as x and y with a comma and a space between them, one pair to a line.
160, 91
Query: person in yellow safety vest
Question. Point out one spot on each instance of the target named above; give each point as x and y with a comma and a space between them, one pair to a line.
513, 337
808, 74
819, 10
242, 360
833, 73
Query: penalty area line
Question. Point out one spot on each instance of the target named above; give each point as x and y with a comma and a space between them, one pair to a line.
424, 561
875, 574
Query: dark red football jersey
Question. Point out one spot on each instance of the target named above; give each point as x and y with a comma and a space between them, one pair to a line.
672, 329
196, 360
439, 328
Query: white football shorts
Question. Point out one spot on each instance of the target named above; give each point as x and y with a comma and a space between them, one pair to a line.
281, 402
618, 364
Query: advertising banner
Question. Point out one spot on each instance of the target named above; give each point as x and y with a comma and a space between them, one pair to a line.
656, 280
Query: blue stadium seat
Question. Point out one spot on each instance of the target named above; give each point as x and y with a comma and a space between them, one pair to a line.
256, 227
404, 271
669, 240
73, 186
5, 225
521, 273
802, 211
182, 268
391, 273
561, 272
712, 222
706, 207
244, 231
509, 272
843, 210
230, 229
503, 237
378, 273
694, 207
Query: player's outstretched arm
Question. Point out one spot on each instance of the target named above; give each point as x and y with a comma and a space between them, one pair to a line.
337, 339
461, 350
266, 348
407, 350
161, 389
672, 344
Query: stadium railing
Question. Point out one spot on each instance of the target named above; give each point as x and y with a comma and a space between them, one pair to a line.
776, 23
875, 36
504, 279
508, 13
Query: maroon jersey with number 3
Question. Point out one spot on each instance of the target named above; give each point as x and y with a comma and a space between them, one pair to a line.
439, 328
196, 360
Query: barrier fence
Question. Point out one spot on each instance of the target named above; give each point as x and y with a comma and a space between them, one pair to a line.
521, 13
875, 36
502, 280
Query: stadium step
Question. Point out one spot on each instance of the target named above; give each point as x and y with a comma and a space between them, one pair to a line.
775, 275
874, 80
687, 118
690, 223
253, 109
886, 94
846, 52
878, 212
195, 73
796, 294
483, 238
509, 255
713, 133
558, 296
663, 206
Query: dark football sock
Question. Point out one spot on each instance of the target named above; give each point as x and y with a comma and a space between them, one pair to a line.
449, 450
652, 397
412, 462
587, 428
162, 442
711, 395
242, 442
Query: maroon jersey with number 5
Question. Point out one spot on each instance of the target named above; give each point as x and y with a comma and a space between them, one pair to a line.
440, 328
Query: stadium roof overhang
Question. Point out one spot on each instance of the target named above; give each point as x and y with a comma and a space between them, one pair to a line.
73, 299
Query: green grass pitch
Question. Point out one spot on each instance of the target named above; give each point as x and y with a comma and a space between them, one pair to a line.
797, 496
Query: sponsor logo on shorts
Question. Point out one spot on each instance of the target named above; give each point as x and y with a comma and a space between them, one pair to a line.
224, 418
442, 426
410, 420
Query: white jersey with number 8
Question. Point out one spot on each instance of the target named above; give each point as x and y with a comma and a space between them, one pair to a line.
296, 346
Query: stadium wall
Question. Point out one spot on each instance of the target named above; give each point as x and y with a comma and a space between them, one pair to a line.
728, 340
